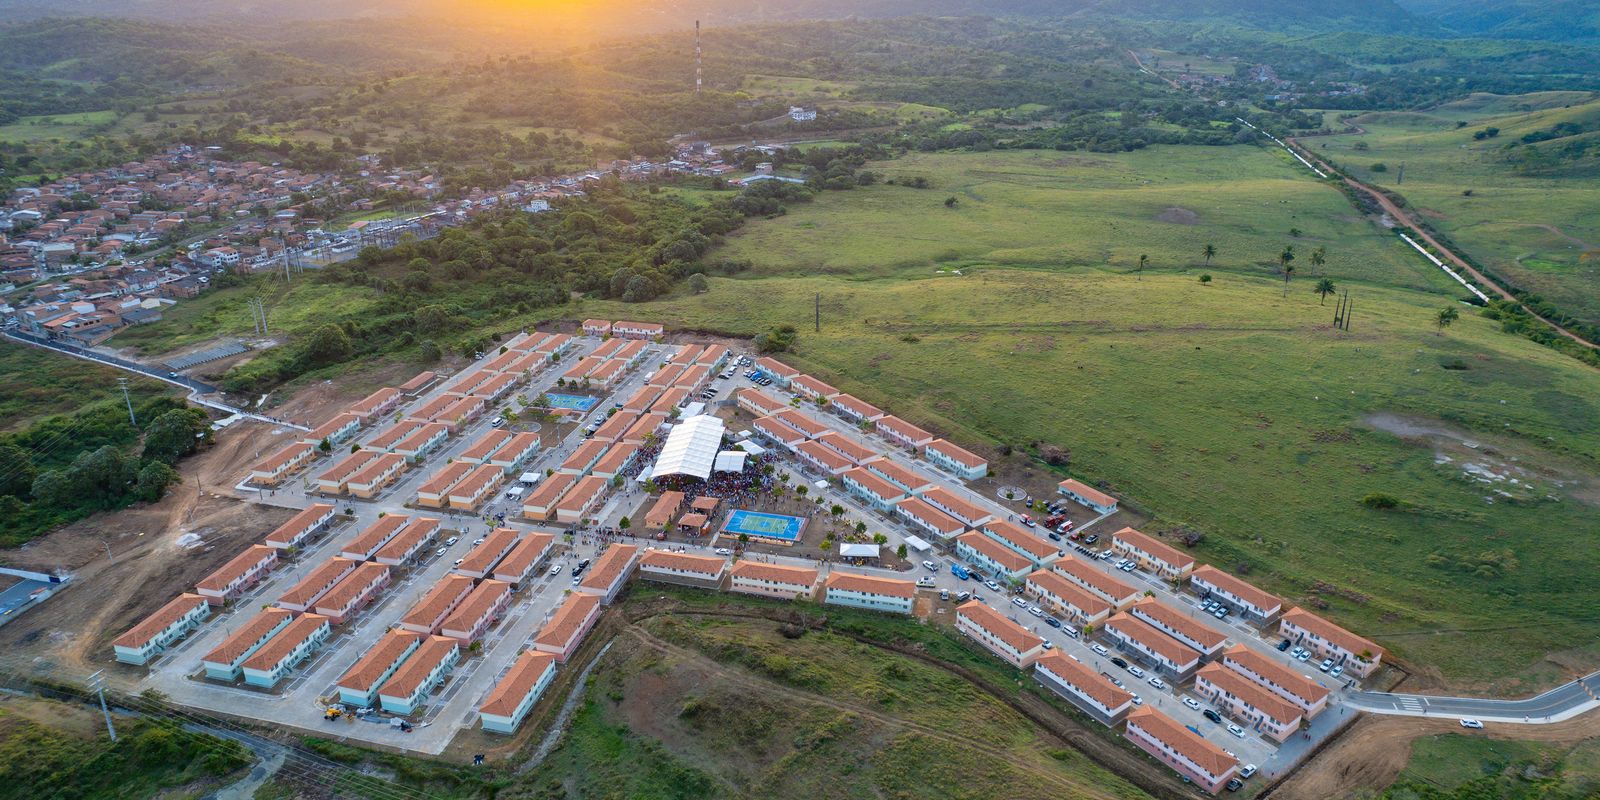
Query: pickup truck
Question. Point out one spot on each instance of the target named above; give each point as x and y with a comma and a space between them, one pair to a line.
960, 572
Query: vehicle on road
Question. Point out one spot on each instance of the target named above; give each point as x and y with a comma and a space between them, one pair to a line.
1052, 622
1472, 723
1158, 683
1212, 715
452, 540
1047, 644
497, 422
1100, 649
1119, 661
1248, 771
1192, 703
459, 560
1137, 700
1135, 671
925, 582
993, 587
930, 566
1036, 611
1017, 601
555, 570
477, 541
1237, 731
723, 551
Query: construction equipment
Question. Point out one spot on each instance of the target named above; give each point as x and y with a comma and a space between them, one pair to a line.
333, 713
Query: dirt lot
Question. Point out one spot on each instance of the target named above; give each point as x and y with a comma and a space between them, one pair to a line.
147, 565
1373, 752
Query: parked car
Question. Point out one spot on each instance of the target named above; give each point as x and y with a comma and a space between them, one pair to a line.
556, 570
1052, 622
1192, 703
1136, 699
452, 540
1100, 649
1234, 784
1471, 723
477, 541
1237, 731
930, 566
1034, 610
1327, 664
441, 551
1054, 537
1016, 601
963, 597
1283, 645
459, 560
723, 551
1047, 644
944, 594
993, 587
1212, 715
1248, 771
1221, 613
1158, 683
925, 582
1119, 662
1135, 671
497, 422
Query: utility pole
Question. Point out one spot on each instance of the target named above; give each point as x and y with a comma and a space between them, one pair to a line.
1402, 178
817, 325
123, 383
97, 683
697, 73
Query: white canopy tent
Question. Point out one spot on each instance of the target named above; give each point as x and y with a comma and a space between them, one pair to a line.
691, 448
731, 461
918, 544
858, 550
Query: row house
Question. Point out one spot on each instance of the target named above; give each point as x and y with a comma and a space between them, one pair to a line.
1179, 625
616, 461
1086, 689
872, 488
610, 571
869, 592
509, 702
779, 372
638, 330
480, 560
304, 594
927, 518
336, 430
847, 447
1247, 702
597, 327
407, 690
541, 505
648, 426
155, 633
478, 612
1186, 752
1100, 584
1021, 541
336, 479
353, 593
1067, 599
771, 429
240, 573
1088, 496
486, 446
810, 388
1149, 645
801, 422
280, 655
1152, 554
615, 425
359, 685
524, 560
773, 580
947, 501
693, 570
1329, 641
516, 453
757, 403
901, 432
960, 462
478, 486
1006, 639
855, 409
393, 435
1246, 600
272, 470
371, 539
581, 499
422, 441
429, 613
408, 543
824, 460
376, 405
571, 621
583, 458
302, 527
899, 475
435, 492
989, 558
1306, 694
367, 482
225, 661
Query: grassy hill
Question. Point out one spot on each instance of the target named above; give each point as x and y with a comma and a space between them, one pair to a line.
1529, 211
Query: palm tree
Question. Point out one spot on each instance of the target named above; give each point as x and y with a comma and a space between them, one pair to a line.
1288, 272
1208, 251
1319, 257
1446, 316
1143, 259
1285, 257
1324, 288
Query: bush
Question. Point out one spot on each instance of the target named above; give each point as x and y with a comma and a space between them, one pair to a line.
1380, 501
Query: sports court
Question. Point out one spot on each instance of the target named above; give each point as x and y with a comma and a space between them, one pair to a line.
761, 526
573, 402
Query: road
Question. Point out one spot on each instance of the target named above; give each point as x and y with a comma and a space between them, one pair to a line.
1558, 704
197, 389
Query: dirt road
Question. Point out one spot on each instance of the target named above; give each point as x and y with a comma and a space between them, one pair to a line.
1374, 751
1405, 218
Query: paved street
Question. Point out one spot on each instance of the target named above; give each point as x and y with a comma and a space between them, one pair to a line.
1561, 703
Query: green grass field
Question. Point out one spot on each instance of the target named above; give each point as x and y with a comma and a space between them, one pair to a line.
1508, 769
35, 384
1541, 232
1050, 209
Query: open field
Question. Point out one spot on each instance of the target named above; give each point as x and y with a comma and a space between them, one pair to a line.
1049, 209
35, 384
1540, 231
726, 707
1231, 409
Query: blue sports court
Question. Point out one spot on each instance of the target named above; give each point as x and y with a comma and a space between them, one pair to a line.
759, 525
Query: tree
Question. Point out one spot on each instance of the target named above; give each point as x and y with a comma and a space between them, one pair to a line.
1209, 251
1288, 272
154, 479
900, 552
698, 283
16, 470
624, 523
837, 510
1445, 317
1319, 257
1286, 257
325, 446
1205, 277
1324, 287
951, 201
329, 344
175, 434
1143, 260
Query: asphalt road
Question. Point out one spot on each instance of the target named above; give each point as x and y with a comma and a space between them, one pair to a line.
199, 387
1560, 703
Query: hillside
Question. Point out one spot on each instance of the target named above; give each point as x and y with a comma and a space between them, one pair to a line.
1553, 20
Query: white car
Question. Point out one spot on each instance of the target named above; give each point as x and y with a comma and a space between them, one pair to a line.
1034, 610
1137, 700
459, 560
1237, 731
1158, 683
555, 570
1135, 671
1101, 650
925, 582
723, 551
930, 566
452, 540
1248, 771
1472, 723
1192, 703
441, 551
477, 541
993, 587
1019, 602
